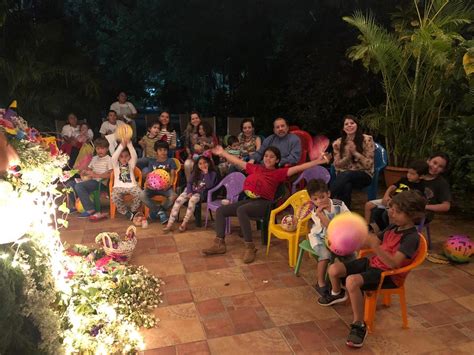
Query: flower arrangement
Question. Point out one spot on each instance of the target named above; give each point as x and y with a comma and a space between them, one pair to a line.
53, 300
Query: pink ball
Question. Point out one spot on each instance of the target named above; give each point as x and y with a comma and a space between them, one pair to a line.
158, 179
346, 233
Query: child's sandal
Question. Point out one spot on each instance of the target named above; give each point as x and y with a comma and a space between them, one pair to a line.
182, 228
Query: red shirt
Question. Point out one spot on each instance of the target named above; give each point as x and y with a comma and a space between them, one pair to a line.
264, 182
405, 241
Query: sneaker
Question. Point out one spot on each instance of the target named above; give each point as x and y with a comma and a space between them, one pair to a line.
85, 214
357, 335
129, 215
322, 290
153, 215
163, 217
329, 299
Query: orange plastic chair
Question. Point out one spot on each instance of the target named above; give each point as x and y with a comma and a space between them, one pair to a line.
138, 176
371, 296
174, 184
296, 201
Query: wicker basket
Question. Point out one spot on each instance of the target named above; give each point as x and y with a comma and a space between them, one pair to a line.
125, 246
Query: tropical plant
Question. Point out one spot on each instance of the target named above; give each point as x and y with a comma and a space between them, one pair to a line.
420, 63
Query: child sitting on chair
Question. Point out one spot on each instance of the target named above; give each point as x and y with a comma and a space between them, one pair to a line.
413, 180
233, 148
148, 145
124, 161
97, 172
326, 209
203, 178
160, 162
395, 247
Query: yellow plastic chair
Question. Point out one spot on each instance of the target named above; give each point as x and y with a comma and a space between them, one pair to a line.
296, 201
371, 296
161, 199
138, 176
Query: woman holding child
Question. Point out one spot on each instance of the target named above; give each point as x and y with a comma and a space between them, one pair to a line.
249, 142
353, 160
261, 184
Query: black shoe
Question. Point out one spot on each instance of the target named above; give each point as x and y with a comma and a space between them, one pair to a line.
329, 299
357, 335
129, 215
322, 290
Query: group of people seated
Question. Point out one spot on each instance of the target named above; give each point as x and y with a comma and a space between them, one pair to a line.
267, 164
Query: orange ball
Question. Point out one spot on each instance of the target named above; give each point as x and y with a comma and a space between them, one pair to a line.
124, 132
346, 233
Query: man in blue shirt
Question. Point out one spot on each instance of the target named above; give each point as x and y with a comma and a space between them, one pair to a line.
289, 144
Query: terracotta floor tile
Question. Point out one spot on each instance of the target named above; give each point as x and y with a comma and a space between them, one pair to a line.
452, 289
210, 307
451, 308
169, 350
178, 324
464, 349
245, 320
160, 264
334, 329
310, 336
269, 341
466, 301
432, 314
196, 348
450, 335
217, 283
218, 327
419, 291
293, 305
179, 296
175, 282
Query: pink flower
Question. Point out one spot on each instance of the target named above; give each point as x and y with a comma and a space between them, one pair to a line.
103, 261
70, 274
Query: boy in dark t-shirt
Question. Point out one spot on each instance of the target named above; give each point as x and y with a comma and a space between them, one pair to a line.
394, 248
412, 181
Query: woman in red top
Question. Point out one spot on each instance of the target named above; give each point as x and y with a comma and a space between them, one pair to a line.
261, 184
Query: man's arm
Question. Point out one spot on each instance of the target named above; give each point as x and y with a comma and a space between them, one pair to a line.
294, 153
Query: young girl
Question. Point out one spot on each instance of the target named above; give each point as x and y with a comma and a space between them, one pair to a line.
85, 134
261, 184
204, 177
124, 161
190, 137
205, 140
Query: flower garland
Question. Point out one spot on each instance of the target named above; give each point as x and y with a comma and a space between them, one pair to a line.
78, 300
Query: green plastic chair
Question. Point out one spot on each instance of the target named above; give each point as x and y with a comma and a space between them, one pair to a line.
304, 246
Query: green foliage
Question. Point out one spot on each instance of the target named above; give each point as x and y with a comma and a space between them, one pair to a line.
18, 334
457, 140
420, 63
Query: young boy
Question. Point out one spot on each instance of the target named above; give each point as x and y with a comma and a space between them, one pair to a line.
413, 180
395, 247
326, 209
161, 162
148, 145
233, 148
110, 126
99, 168
124, 161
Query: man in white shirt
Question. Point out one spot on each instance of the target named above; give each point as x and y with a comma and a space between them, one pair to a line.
125, 111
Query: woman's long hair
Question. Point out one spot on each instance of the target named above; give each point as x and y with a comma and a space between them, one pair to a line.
169, 126
358, 138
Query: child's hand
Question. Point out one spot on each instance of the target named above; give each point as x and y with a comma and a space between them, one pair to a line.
372, 241
217, 150
125, 142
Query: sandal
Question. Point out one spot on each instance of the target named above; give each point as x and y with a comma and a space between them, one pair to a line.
437, 259
98, 217
167, 230
182, 228
138, 219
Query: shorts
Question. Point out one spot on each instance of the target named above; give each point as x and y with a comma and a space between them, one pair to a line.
378, 203
322, 252
370, 274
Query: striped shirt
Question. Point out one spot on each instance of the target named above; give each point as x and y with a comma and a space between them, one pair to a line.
170, 137
100, 165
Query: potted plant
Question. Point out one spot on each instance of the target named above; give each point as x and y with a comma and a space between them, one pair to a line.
420, 63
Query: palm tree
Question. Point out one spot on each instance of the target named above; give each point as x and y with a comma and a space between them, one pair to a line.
419, 62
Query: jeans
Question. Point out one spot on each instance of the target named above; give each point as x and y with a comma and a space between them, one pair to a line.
83, 190
244, 210
147, 194
341, 187
142, 164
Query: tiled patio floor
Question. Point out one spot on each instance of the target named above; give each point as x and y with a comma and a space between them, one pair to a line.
219, 305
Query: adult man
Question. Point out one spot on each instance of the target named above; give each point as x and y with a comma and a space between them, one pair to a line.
125, 111
289, 144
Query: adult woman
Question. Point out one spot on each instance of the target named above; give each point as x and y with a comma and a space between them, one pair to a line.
353, 160
190, 138
249, 142
261, 183
167, 131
